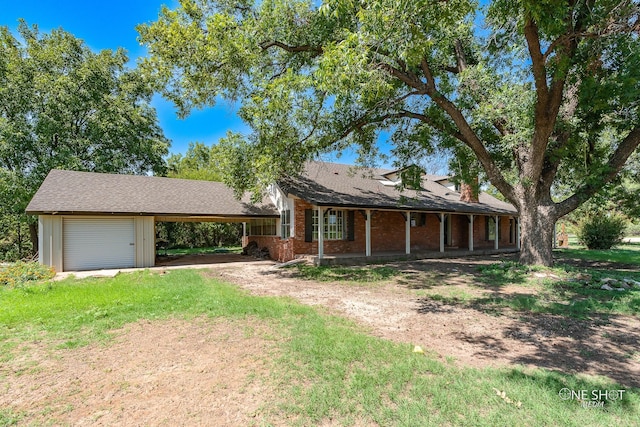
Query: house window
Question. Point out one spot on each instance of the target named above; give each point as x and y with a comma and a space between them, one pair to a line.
333, 225
262, 227
285, 224
491, 228
418, 219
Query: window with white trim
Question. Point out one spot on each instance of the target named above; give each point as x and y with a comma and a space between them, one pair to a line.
333, 225
285, 224
262, 227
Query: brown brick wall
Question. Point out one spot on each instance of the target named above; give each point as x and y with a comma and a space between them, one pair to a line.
387, 234
387, 231
426, 237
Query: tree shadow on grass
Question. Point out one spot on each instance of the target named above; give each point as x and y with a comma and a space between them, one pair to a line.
607, 347
602, 344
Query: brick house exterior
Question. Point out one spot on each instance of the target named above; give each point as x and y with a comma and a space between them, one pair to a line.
345, 198
93, 220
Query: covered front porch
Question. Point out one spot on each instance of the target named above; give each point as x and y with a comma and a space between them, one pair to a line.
381, 235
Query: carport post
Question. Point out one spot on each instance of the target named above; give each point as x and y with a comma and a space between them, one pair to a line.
518, 233
495, 242
367, 233
320, 233
471, 233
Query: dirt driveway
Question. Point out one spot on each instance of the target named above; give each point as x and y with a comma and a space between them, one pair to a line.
400, 310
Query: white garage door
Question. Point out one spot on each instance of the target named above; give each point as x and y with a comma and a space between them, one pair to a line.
95, 243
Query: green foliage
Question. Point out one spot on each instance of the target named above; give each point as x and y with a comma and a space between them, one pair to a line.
199, 234
14, 238
601, 231
199, 162
20, 272
202, 163
67, 107
543, 96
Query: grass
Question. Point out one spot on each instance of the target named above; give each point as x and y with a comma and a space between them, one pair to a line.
561, 290
628, 253
345, 274
327, 369
204, 251
8, 418
80, 311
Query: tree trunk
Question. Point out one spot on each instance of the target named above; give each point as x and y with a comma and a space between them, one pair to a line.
33, 234
536, 230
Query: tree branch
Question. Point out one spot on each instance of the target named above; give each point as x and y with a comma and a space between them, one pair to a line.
615, 164
408, 78
470, 138
365, 120
538, 60
291, 49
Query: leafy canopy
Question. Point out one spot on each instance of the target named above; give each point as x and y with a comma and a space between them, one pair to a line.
541, 97
64, 106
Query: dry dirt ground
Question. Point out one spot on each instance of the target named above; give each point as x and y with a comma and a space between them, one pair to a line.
216, 372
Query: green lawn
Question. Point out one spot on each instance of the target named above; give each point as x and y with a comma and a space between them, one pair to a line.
326, 367
628, 253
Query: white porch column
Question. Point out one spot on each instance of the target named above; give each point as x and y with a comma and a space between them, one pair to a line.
367, 233
471, 232
441, 232
407, 233
320, 233
244, 234
495, 242
518, 233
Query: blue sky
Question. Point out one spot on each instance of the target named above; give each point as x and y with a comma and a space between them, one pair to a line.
109, 24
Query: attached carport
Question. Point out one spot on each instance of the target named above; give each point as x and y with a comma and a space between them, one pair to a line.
89, 221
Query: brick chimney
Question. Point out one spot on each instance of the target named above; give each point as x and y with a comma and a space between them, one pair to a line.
469, 192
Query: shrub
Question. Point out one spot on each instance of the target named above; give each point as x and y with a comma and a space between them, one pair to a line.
601, 231
20, 272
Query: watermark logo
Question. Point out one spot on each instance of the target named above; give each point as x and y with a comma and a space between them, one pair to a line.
591, 398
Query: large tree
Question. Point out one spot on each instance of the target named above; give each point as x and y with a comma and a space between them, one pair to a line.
530, 93
64, 106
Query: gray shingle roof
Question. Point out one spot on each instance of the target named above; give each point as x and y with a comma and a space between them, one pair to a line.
331, 184
95, 193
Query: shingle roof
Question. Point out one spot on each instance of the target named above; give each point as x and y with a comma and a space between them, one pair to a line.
94, 193
323, 184
331, 184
